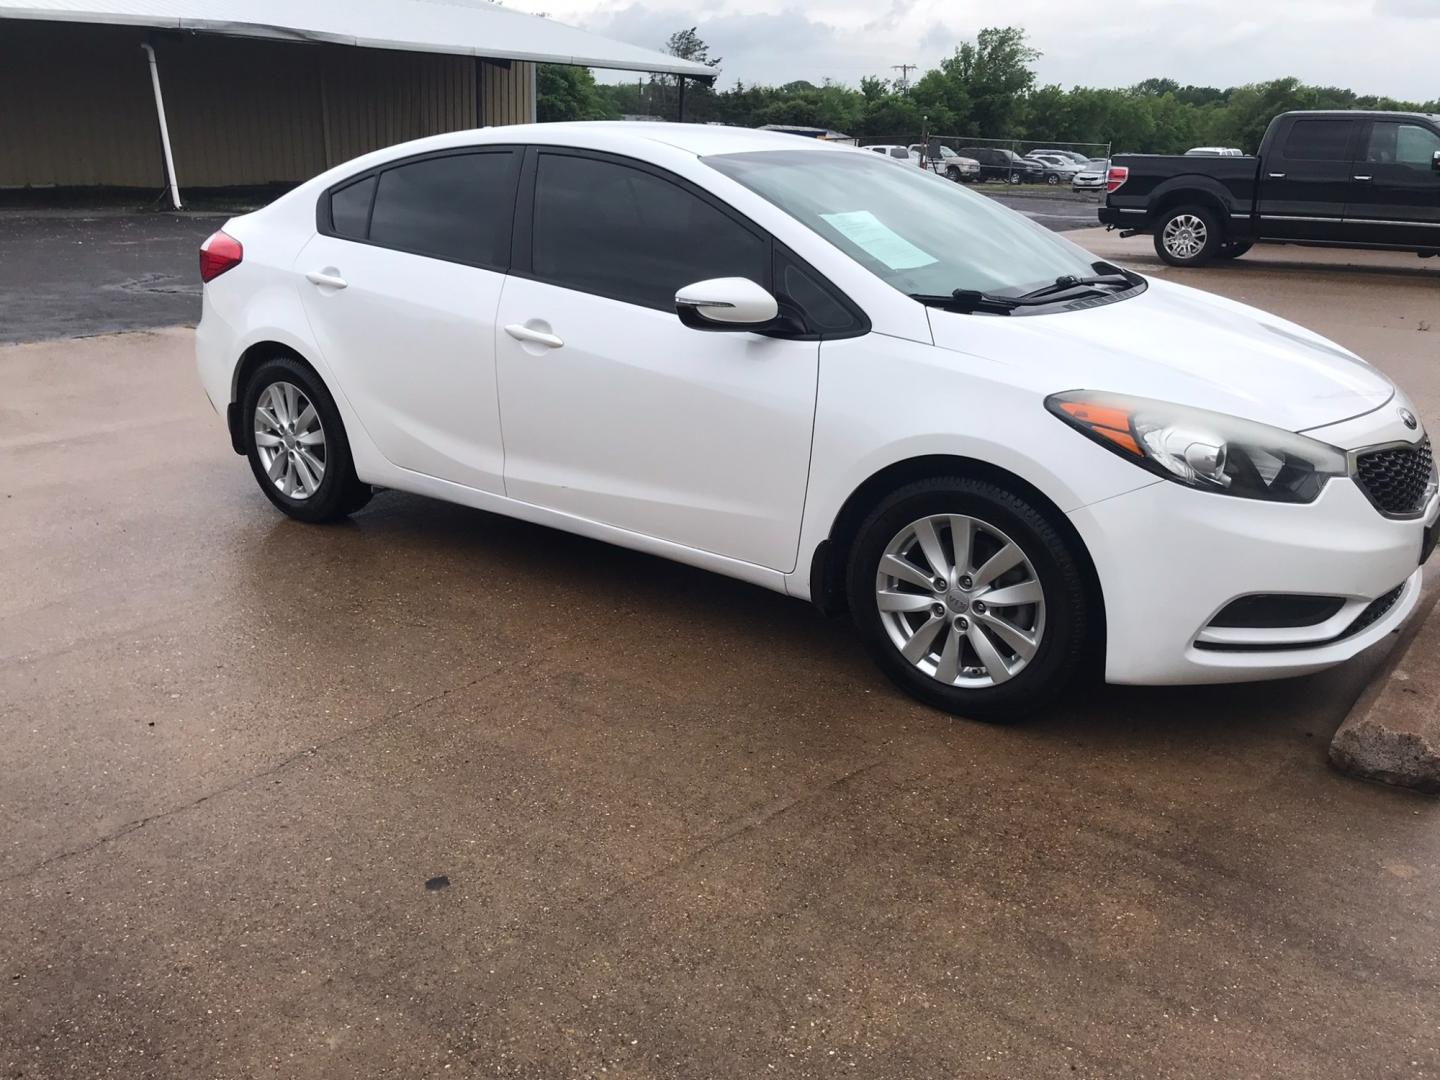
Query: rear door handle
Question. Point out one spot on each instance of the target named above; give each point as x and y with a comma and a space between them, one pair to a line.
327, 281
1277, 176
521, 332
1363, 178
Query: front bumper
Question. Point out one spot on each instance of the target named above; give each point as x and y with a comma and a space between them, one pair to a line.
1170, 559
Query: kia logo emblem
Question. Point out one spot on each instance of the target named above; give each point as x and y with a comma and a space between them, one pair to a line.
1409, 418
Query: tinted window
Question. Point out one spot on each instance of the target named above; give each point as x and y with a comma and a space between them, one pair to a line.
819, 307
1402, 144
1319, 140
350, 209
457, 207
899, 152
609, 229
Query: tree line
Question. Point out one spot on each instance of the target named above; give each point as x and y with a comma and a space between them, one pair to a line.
986, 89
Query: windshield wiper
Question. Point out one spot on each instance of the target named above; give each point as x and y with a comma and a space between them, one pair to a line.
967, 301
1068, 282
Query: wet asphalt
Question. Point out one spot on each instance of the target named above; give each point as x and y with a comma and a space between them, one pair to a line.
435, 792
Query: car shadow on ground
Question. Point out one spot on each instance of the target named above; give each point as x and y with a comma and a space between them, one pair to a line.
408, 569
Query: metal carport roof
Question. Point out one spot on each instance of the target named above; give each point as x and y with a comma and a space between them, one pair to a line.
458, 27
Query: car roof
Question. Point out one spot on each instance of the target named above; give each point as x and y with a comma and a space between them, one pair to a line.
698, 139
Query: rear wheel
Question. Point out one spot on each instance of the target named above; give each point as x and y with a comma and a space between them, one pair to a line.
1187, 236
968, 598
296, 443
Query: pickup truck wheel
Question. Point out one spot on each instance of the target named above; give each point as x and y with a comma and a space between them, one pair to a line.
1234, 249
953, 173
1188, 236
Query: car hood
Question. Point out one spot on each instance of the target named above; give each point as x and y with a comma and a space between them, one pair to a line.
1182, 345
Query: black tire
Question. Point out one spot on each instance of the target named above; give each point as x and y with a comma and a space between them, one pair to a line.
1195, 239
1233, 249
1052, 178
340, 492
953, 173
1016, 178
1064, 641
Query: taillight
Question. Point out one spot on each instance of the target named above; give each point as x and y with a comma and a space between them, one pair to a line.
1117, 176
219, 253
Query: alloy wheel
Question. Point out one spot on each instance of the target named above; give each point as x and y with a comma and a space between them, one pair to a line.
1185, 236
960, 601
290, 440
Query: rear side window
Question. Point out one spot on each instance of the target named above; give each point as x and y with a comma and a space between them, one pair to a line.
899, 152
1319, 140
457, 207
605, 228
350, 209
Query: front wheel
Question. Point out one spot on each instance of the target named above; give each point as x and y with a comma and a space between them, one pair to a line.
953, 173
1052, 179
968, 598
1188, 236
296, 443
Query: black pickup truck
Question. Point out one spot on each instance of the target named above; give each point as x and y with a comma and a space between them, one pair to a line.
1341, 179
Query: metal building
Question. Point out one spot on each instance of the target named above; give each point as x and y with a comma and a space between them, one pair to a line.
206, 94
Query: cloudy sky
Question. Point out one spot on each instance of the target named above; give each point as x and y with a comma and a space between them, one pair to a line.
1373, 46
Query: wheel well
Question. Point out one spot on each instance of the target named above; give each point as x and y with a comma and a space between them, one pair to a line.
1190, 197
251, 359
829, 560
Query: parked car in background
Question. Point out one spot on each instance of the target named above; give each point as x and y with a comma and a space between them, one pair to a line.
949, 164
695, 337
1214, 151
1091, 176
1006, 165
1074, 155
1356, 179
905, 155
1056, 168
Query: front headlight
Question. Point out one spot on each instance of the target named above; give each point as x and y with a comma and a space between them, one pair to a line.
1206, 450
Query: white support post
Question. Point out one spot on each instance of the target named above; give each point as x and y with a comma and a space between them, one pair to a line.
164, 127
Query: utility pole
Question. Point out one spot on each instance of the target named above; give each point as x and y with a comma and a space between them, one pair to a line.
904, 70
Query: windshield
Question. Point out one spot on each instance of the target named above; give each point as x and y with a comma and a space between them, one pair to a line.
916, 231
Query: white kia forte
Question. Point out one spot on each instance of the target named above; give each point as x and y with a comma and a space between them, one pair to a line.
864, 386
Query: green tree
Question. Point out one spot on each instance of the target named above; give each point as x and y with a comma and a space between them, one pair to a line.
564, 92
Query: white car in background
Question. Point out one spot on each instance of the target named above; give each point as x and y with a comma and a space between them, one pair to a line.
786, 362
1092, 176
905, 155
951, 165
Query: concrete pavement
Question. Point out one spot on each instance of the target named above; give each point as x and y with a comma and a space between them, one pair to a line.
688, 830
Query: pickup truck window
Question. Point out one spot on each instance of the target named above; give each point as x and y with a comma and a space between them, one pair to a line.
1402, 144
1319, 140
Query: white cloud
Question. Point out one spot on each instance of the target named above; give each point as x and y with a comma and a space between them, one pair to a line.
1375, 48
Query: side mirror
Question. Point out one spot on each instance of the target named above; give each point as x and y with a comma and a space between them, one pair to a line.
731, 303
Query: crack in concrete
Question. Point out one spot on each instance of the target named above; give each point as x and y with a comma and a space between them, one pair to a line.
235, 785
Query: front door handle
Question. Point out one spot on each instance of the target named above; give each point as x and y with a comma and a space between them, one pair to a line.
326, 280
1363, 178
1277, 176
520, 332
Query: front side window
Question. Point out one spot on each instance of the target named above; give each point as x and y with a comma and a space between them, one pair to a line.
1394, 143
1319, 140
457, 207
918, 233
609, 229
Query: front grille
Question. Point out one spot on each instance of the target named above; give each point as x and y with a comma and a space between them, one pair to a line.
1396, 478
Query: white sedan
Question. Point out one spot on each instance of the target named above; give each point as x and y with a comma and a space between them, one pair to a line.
799, 366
